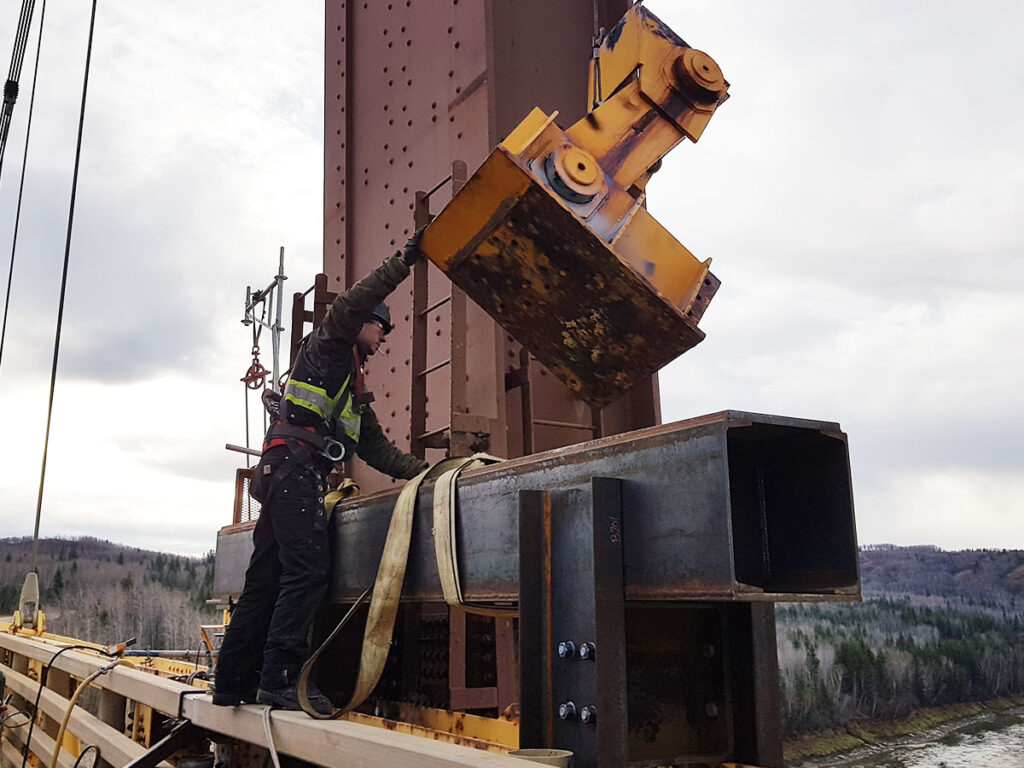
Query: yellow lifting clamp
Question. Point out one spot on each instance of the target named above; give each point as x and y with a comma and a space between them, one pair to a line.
550, 235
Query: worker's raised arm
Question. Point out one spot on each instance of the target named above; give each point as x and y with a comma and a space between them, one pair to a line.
350, 309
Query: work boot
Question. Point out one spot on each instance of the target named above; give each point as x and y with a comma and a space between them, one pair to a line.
288, 698
232, 698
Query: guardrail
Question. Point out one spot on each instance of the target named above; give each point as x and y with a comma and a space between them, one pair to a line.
128, 709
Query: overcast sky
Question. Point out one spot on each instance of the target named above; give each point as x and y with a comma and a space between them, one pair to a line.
856, 194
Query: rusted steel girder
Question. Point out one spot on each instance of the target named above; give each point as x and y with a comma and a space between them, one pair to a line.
729, 506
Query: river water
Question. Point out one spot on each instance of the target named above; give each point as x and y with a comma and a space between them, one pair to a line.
996, 740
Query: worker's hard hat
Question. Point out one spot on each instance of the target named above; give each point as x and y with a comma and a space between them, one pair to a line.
382, 314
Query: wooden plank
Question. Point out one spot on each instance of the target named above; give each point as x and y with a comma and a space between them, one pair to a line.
10, 757
42, 746
338, 743
332, 744
115, 747
151, 690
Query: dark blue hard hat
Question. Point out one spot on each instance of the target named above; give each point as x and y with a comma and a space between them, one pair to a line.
382, 314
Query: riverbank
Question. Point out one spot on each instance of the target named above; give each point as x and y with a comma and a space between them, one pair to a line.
931, 723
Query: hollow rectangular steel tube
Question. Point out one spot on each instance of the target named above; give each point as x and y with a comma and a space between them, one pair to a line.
729, 506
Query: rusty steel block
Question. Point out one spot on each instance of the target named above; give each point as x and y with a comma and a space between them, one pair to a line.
550, 236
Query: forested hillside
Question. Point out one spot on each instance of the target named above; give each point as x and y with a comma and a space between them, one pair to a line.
105, 593
935, 628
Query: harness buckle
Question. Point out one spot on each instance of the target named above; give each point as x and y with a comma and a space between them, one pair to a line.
332, 449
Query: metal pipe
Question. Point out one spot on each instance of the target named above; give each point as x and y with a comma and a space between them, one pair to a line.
276, 330
163, 653
436, 305
563, 424
439, 184
242, 449
434, 367
433, 432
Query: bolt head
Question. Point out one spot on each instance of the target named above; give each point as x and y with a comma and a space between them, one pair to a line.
711, 709
588, 714
587, 650
566, 649
566, 710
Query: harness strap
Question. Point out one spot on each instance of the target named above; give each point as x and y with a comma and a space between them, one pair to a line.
358, 386
279, 431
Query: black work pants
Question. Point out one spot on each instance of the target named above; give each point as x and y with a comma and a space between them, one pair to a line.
267, 638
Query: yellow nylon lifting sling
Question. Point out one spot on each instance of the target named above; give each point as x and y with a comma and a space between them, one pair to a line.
445, 548
387, 589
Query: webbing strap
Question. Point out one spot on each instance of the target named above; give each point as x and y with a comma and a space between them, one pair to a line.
387, 589
445, 547
282, 430
302, 686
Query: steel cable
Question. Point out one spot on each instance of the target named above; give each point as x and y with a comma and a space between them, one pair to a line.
21, 184
63, 282
14, 74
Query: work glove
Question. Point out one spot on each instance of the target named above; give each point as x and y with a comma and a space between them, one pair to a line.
272, 403
411, 253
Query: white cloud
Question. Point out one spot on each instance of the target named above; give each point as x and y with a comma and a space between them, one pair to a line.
858, 195
202, 155
953, 510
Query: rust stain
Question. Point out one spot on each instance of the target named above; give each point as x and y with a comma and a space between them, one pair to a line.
549, 726
558, 289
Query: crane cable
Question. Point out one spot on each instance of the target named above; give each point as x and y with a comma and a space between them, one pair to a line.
21, 185
63, 282
11, 86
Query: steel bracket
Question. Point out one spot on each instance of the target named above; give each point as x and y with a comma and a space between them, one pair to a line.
573, 700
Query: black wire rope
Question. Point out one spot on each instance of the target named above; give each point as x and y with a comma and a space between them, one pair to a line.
14, 74
4, 720
84, 752
63, 283
21, 185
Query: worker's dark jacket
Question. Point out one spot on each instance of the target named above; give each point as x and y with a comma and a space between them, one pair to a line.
321, 392
266, 641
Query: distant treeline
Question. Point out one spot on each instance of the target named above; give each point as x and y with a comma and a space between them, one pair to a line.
935, 628
105, 593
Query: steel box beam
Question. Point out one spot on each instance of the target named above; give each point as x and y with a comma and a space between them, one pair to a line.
727, 506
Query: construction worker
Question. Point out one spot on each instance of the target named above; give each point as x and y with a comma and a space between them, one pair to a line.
323, 416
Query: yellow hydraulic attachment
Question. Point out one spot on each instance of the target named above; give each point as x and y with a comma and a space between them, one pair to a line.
550, 235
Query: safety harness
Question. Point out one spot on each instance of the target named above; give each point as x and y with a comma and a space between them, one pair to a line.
279, 434
345, 409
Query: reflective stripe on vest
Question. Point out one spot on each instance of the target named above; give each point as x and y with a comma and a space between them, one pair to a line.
319, 402
350, 420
